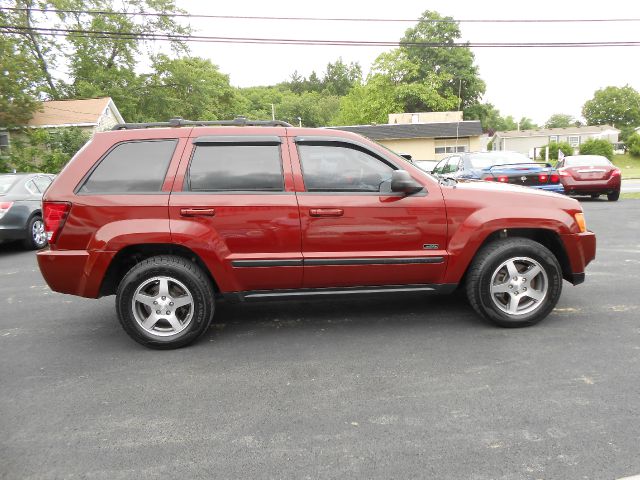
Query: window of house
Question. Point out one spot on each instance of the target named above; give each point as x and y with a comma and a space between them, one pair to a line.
4, 141
219, 168
553, 138
441, 150
574, 141
132, 167
332, 168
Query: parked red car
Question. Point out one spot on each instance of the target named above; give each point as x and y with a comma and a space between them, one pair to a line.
172, 219
592, 175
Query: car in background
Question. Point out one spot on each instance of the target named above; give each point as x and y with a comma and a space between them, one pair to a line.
426, 165
500, 167
21, 208
592, 175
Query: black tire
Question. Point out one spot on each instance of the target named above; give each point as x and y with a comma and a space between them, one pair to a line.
488, 265
36, 237
183, 278
614, 196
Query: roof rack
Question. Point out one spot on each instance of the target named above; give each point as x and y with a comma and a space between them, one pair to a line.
180, 122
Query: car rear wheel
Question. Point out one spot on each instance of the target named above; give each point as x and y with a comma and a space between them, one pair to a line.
613, 196
514, 282
36, 236
165, 302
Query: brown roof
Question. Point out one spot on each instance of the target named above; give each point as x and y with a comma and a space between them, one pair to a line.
69, 112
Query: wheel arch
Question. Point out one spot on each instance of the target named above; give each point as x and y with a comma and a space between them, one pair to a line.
546, 237
130, 255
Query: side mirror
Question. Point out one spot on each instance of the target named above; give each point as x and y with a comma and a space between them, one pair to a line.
401, 181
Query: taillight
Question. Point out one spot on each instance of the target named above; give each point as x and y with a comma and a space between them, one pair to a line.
503, 178
554, 178
543, 177
488, 178
4, 208
616, 172
55, 214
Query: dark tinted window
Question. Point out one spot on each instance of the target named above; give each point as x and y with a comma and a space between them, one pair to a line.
236, 168
132, 167
342, 169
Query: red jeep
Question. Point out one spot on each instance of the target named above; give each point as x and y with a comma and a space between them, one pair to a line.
171, 219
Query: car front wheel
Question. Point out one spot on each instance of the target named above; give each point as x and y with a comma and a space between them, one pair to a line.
514, 282
165, 302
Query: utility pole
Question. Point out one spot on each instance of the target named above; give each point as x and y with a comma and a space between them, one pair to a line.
273, 112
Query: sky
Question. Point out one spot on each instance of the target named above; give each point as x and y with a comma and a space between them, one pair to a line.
522, 82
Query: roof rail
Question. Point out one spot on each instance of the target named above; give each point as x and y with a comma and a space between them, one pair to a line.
180, 122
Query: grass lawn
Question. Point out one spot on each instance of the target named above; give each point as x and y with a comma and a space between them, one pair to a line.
630, 195
629, 165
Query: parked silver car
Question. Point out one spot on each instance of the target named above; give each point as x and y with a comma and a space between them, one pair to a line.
20, 208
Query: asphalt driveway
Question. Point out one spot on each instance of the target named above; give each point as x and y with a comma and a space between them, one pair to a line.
410, 387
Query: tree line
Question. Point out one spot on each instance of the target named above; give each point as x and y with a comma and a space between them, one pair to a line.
38, 64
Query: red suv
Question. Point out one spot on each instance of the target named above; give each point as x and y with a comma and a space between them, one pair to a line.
172, 219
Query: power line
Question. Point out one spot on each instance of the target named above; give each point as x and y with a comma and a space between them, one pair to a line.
322, 19
308, 42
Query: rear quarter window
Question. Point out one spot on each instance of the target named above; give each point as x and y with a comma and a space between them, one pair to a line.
131, 167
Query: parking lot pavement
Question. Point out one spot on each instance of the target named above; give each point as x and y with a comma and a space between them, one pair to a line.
412, 387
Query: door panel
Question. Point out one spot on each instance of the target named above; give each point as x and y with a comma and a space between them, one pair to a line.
369, 238
249, 240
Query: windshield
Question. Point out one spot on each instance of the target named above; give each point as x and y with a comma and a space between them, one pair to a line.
586, 160
5, 183
489, 159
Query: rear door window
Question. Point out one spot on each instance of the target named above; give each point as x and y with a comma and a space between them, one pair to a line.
245, 168
132, 167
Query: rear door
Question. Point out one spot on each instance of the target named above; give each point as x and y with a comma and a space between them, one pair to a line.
233, 203
355, 231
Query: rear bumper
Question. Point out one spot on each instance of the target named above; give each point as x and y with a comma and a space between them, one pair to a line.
11, 233
581, 250
76, 272
591, 186
556, 187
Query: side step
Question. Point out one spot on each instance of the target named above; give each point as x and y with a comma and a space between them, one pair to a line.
262, 295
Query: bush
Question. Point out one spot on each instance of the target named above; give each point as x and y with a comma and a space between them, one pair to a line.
633, 144
43, 151
553, 150
595, 146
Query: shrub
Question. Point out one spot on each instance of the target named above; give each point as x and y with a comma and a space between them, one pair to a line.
595, 146
553, 150
633, 144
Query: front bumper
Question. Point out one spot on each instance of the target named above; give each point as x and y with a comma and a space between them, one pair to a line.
581, 250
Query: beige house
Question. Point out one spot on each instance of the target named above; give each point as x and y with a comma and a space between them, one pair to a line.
530, 142
425, 135
92, 115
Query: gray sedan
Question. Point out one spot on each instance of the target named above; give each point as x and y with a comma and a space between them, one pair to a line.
21, 209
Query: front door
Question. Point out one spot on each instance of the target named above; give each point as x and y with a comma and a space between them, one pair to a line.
355, 231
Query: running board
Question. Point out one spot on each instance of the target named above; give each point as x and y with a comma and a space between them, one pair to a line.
261, 295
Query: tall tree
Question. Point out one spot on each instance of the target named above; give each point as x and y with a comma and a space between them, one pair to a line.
188, 87
616, 106
560, 120
454, 64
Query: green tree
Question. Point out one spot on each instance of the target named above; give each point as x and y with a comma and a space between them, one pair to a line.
527, 124
566, 148
616, 106
633, 144
41, 150
453, 64
597, 146
339, 77
559, 120
189, 87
